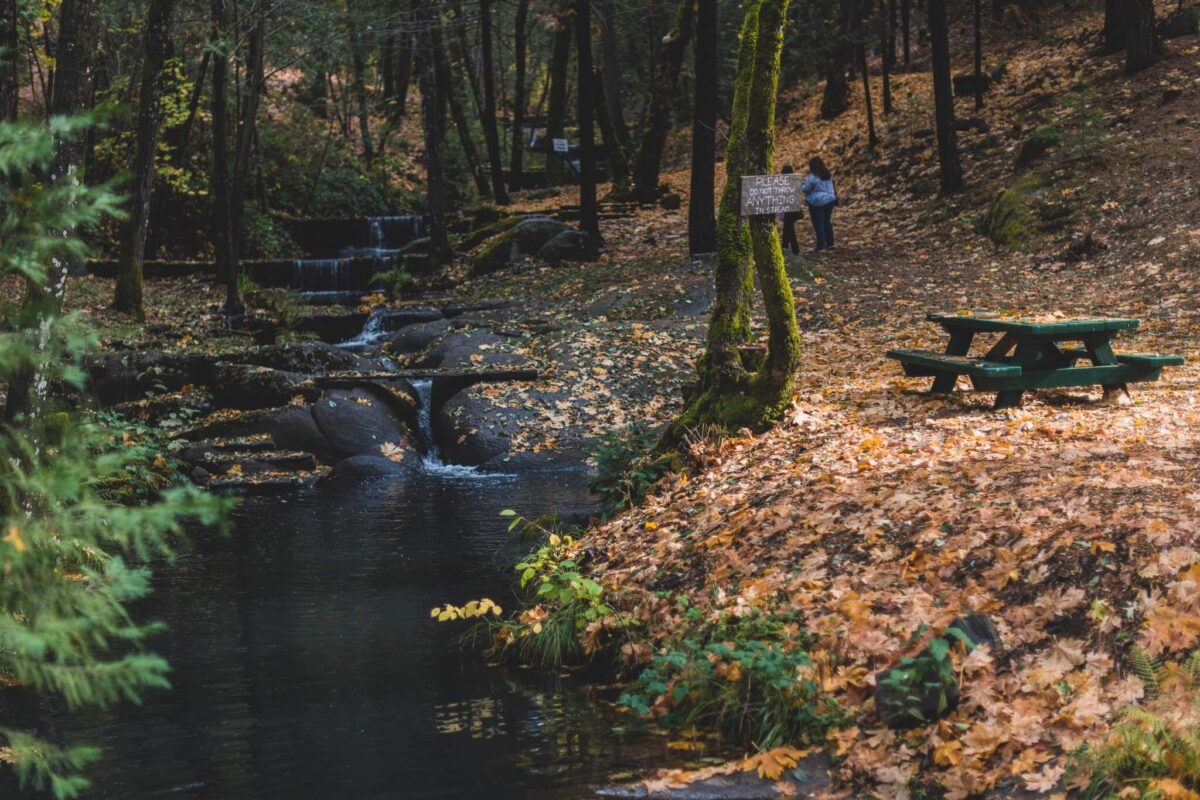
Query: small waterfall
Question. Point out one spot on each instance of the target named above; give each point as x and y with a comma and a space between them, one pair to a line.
433, 462
317, 275
373, 332
392, 233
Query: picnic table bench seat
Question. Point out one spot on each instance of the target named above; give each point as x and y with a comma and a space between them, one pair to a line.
1030, 354
928, 363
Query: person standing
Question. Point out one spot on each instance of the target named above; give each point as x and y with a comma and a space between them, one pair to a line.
820, 196
790, 242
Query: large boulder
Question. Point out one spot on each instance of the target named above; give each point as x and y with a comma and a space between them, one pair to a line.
121, 377
357, 422
309, 358
402, 462
290, 428
525, 238
570, 245
477, 428
415, 338
474, 349
244, 386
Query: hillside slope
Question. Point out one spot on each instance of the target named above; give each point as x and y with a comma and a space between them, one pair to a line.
876, 515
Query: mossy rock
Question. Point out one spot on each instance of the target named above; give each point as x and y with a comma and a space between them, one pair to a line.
476, 237
526, 237
1009, 220
1039, 142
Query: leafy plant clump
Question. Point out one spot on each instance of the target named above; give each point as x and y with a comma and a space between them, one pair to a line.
566, 621
627, 466
751, 678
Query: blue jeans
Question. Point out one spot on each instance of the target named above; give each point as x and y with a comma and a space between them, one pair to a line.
822, 220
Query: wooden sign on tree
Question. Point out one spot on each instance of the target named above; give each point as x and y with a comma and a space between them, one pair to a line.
771, 194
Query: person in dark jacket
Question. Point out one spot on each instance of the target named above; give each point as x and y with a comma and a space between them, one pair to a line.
821, 197
790, 242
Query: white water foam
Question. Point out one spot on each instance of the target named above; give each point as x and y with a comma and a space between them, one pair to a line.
433, 463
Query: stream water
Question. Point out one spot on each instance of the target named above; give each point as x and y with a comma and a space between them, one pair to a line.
306, 664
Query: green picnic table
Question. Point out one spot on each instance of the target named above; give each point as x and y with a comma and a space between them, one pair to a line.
1032, 353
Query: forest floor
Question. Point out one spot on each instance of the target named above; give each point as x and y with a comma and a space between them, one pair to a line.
874, 512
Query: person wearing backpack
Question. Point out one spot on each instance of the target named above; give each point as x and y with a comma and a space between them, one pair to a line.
821, 196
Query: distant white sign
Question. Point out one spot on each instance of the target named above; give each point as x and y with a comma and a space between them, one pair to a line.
561, 146
771, 194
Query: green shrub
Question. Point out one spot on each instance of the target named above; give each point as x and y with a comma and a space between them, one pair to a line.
626, 465
1008, 220
565, 620
750, 678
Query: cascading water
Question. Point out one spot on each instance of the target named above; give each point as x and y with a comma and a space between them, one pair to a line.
394, 232
317, 275
433, 462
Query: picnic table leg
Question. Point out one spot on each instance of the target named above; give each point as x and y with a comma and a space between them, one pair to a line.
960, 345
1100, 352
1025, 357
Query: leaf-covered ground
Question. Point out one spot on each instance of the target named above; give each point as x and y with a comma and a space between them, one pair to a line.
874, 510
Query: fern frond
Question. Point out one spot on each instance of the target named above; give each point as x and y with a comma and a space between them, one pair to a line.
1146, 668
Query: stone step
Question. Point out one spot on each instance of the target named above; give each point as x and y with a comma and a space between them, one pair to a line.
262, 484
257, 462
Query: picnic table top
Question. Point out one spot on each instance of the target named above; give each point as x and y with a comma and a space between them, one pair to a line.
1041, 325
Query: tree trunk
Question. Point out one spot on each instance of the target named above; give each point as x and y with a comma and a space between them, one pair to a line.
520, 99
1141, 40
872, 137
589, 217
128, 295
906, 30
227, 270
613, 91
488, 116
433, 122
387, 65
556, 115
460, 53
730, 395
252, 89
446, 89
836, 98
943, 95
403, 77
10, 59
702, 224
358, 68
648, 163
618, 162
887, 44
27, 391
1114, 26
978, 55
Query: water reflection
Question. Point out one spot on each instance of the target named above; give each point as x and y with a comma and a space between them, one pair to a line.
306, 664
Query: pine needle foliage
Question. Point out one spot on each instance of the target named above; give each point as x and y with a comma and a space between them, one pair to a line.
71, 554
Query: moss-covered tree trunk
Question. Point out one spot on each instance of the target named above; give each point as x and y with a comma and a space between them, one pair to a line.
732, 392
